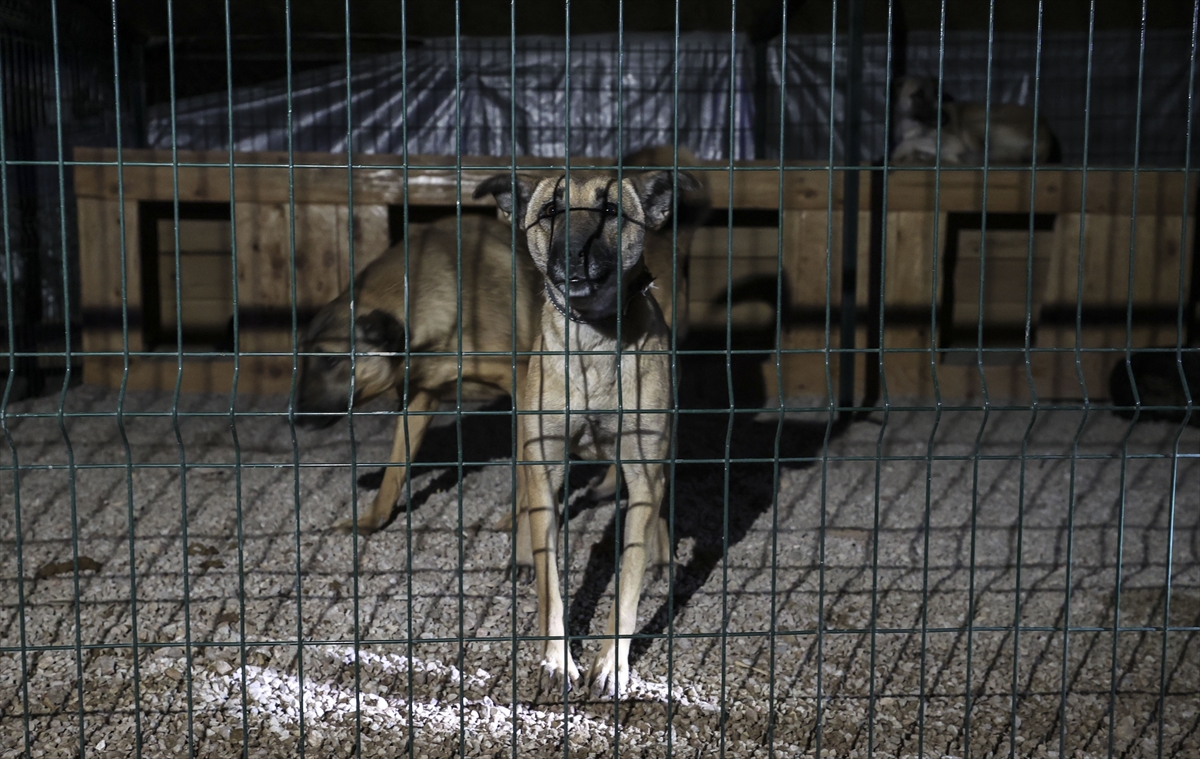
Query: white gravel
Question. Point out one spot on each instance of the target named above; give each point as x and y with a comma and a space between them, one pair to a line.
218, 614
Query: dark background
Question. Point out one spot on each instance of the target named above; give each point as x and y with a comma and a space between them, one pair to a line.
319, 26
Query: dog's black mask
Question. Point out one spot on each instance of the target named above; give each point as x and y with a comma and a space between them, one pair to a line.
584, 267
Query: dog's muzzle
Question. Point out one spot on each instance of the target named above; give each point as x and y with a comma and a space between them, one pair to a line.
597, 304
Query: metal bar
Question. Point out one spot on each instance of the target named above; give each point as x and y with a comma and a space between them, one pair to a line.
233, 389
355, 553
722, 746
405, 394
877, 294
130, 519
1189, 399
1071, 499
516, 391
72, 489
935, 271
458, 389
780, 388
1120, 574
294, 296
673, 451
10, 325
852, 156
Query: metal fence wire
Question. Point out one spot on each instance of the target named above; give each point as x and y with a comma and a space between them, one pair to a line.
931, 463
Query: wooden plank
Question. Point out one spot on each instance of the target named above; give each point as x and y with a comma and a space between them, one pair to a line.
264, 255
257, 375
1107, 241
813, 244
1053, 191
1007, 268
100, 248
912, 238
100, 253
910, 373
804, 374
318, 177
380, 180
371, 237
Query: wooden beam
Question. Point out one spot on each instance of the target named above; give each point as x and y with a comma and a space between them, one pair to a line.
263, 177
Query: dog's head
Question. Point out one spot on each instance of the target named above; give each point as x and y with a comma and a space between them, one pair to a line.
324, 387
586, 237
917, 99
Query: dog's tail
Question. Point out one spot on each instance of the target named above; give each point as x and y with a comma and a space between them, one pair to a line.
762, 288
1055, 154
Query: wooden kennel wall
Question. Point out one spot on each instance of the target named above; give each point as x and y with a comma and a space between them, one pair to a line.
906, 237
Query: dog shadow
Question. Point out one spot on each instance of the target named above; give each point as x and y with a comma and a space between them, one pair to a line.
703, 499
486, 436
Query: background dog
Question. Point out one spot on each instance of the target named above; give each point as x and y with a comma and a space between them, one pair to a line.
598, 306
490, 297
1011, 135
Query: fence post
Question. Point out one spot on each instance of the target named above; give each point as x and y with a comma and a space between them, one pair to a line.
851, 157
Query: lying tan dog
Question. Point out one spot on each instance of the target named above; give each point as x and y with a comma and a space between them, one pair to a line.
1011, 135
489, 298
598, 307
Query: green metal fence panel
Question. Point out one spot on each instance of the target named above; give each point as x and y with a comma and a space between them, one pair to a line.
962, 617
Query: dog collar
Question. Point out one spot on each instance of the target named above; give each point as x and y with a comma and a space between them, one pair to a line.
639, 286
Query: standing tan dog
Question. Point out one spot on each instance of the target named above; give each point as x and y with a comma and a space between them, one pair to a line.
964, 126
612, 385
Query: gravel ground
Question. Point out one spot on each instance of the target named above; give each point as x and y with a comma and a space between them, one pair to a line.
859, 663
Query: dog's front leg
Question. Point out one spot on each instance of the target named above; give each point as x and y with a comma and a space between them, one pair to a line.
394, 476
610, 672
543, 481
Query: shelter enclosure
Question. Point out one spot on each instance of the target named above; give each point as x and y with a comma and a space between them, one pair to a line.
934, 481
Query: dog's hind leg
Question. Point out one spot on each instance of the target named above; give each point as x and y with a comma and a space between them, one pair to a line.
659, 556
523, 542
394, 476
610, 672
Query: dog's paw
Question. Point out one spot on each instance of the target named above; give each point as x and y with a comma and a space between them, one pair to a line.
556, 666
609, 677
525, 573
658, 572
366, 526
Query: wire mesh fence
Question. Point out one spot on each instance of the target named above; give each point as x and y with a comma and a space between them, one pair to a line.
929, 468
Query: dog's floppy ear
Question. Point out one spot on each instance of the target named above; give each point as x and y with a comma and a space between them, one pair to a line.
500, 187
656, 189
381, 331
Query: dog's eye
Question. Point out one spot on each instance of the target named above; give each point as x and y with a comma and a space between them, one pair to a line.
330, 362
549, 210
610, 209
